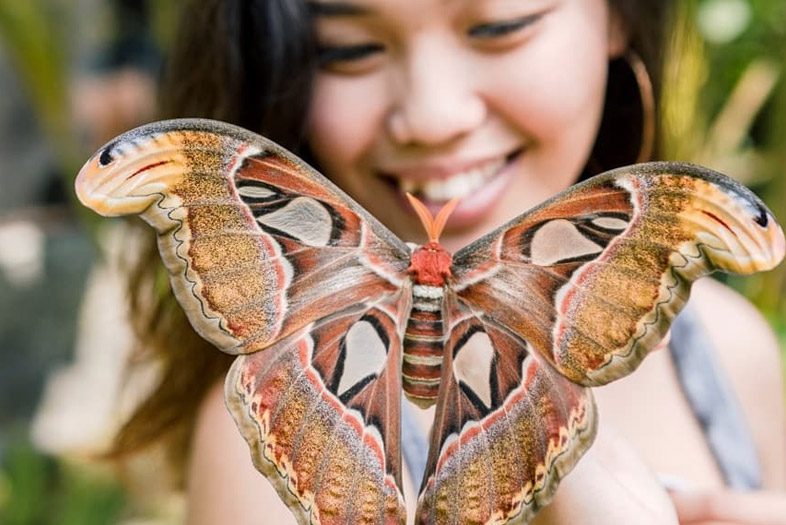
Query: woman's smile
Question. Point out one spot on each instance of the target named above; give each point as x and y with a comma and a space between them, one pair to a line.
478, 184
465, 101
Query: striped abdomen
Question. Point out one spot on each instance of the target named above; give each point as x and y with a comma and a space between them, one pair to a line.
423, 344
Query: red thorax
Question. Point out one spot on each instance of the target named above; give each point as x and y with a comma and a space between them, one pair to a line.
430, 264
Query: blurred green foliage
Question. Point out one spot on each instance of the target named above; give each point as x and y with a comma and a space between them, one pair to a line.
37, 41
724, 106
39, 489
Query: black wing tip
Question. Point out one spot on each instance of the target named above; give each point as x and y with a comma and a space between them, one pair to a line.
763, 218
188, 124
105, 157
230, 132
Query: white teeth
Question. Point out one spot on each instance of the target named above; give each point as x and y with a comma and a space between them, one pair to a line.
459, 185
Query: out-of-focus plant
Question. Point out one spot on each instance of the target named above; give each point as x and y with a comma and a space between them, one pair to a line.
35, 37
772, 286
724, 106
38, 39
163, 18
35, 488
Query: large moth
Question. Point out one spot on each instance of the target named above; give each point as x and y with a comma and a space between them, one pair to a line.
332, 316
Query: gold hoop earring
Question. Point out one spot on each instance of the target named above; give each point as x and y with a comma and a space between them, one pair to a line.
647, 95
627, 130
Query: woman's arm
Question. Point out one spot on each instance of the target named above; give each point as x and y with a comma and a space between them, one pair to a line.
610, 485
222, 484
750, 355
731, 506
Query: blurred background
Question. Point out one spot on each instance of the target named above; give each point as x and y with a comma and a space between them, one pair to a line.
74, 73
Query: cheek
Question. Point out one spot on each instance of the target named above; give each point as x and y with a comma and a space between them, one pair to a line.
556, 87
344, 123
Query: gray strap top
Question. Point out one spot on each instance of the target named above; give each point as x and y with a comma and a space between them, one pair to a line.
704, 385
713, 403
414, 445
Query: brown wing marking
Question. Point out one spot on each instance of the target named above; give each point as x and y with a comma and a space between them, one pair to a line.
634, 240
498, 456
330, 449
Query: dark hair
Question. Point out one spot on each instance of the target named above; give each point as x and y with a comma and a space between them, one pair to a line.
250, 62
622, 128
245, 62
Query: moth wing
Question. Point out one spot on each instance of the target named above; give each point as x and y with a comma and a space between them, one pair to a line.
571, 294
508, 427
320, 410
257, 243
272, 261
593, 277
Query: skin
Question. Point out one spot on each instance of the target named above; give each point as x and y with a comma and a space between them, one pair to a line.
433, 100
666, 435
428, 96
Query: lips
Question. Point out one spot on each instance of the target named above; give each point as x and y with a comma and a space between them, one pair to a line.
458, 185
438, 185
479, 185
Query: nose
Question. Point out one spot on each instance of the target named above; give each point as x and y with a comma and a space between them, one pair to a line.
435, 96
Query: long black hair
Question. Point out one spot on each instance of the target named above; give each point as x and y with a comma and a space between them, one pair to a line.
243, 61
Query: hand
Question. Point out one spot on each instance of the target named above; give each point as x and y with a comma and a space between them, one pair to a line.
724, 507
610, 485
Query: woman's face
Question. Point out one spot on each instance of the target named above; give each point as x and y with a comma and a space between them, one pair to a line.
496, 102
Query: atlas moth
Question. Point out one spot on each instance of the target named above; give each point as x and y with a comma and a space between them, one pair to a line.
332, 316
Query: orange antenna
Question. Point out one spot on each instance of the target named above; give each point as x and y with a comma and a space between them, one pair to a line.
433, 226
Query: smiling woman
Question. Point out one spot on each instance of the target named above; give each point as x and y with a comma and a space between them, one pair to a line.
498, 104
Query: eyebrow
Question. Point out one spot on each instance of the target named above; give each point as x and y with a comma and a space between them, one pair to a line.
339, 8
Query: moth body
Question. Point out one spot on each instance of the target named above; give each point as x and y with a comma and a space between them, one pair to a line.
424, 336
430, 265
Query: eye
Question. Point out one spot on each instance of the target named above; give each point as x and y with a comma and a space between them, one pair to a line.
503, 28
348, 57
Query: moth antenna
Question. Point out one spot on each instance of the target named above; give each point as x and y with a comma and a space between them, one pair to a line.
423, 214
433, 226
442, 217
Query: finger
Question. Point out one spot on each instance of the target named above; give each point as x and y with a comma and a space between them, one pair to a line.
610, 485
727, 506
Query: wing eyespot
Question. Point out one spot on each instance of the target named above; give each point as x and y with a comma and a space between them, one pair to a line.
106, 155
762, 219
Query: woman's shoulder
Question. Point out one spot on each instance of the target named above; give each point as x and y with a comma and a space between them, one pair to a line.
725, 312
750, 356
744, 342
223, 485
